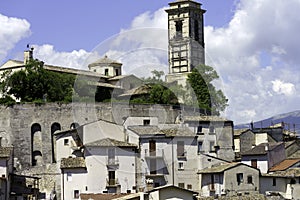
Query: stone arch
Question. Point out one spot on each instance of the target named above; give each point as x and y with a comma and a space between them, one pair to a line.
54, 127
36, 143
74, 125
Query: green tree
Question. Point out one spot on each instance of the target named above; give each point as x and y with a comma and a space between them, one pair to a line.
36, 84
201, 91
159, 91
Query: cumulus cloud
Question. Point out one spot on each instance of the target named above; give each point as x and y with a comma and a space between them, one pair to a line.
12, 30
256, 56
142, 47
75, 59
281, 87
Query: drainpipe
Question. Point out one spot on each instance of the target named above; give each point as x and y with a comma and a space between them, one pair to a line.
173, 168
63, 185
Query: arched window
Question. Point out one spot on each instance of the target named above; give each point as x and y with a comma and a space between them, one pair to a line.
36, 144
54, 127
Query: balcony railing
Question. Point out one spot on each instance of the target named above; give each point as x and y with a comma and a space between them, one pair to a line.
181, 154
112, 162
112, 182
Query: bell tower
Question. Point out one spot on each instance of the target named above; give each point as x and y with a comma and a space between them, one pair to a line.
186, 39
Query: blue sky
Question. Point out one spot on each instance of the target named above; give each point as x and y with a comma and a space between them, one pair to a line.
253, 45
83, 24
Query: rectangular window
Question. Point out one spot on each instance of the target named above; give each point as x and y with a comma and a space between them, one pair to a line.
106, 72
178, 25
180, 148
274, 182
249, 180
239, 178
180, 166
76, 194
199, 129
189, 187
146, 122
181, 185
66, 142
254, 163
69, 176
211, 129
211, 146
200, 146
212, 182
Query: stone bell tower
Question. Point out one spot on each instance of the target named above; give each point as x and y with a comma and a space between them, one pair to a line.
186, 39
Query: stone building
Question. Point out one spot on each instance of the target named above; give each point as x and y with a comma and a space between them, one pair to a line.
186, 39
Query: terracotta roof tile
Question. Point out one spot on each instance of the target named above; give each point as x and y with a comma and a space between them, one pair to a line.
261, 149
108, 142
167, 131
285, 164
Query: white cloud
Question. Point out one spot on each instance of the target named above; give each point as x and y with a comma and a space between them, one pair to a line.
12, 30
281, 87
256, 55
75, 59
258, 46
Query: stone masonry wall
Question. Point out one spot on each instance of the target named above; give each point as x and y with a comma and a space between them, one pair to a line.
16, 124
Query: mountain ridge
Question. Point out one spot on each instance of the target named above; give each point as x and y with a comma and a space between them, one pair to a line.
290, 120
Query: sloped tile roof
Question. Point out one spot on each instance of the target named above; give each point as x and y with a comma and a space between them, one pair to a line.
295, 154
219, 168
108, 142
205, 118
285, 164
292, 172
168, 132
100, 196
5, 152
70, 163
261, 149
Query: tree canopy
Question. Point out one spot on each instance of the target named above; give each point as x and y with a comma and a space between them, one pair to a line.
201, 91
36, 84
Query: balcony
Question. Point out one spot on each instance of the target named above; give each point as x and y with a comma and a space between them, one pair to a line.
112, 163
181, 155
158, 153
112, 183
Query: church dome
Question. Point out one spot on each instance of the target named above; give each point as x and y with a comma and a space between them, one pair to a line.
105, 61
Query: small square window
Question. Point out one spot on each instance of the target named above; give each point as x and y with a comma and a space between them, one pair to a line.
181, 185
189, 187
76, 194
66, 142
146, 122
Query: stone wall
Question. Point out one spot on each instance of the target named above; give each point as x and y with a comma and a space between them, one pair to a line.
22, 123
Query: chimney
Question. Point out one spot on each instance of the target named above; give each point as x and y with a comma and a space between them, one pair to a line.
141, 195
251, 126
266, 147
28, 55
